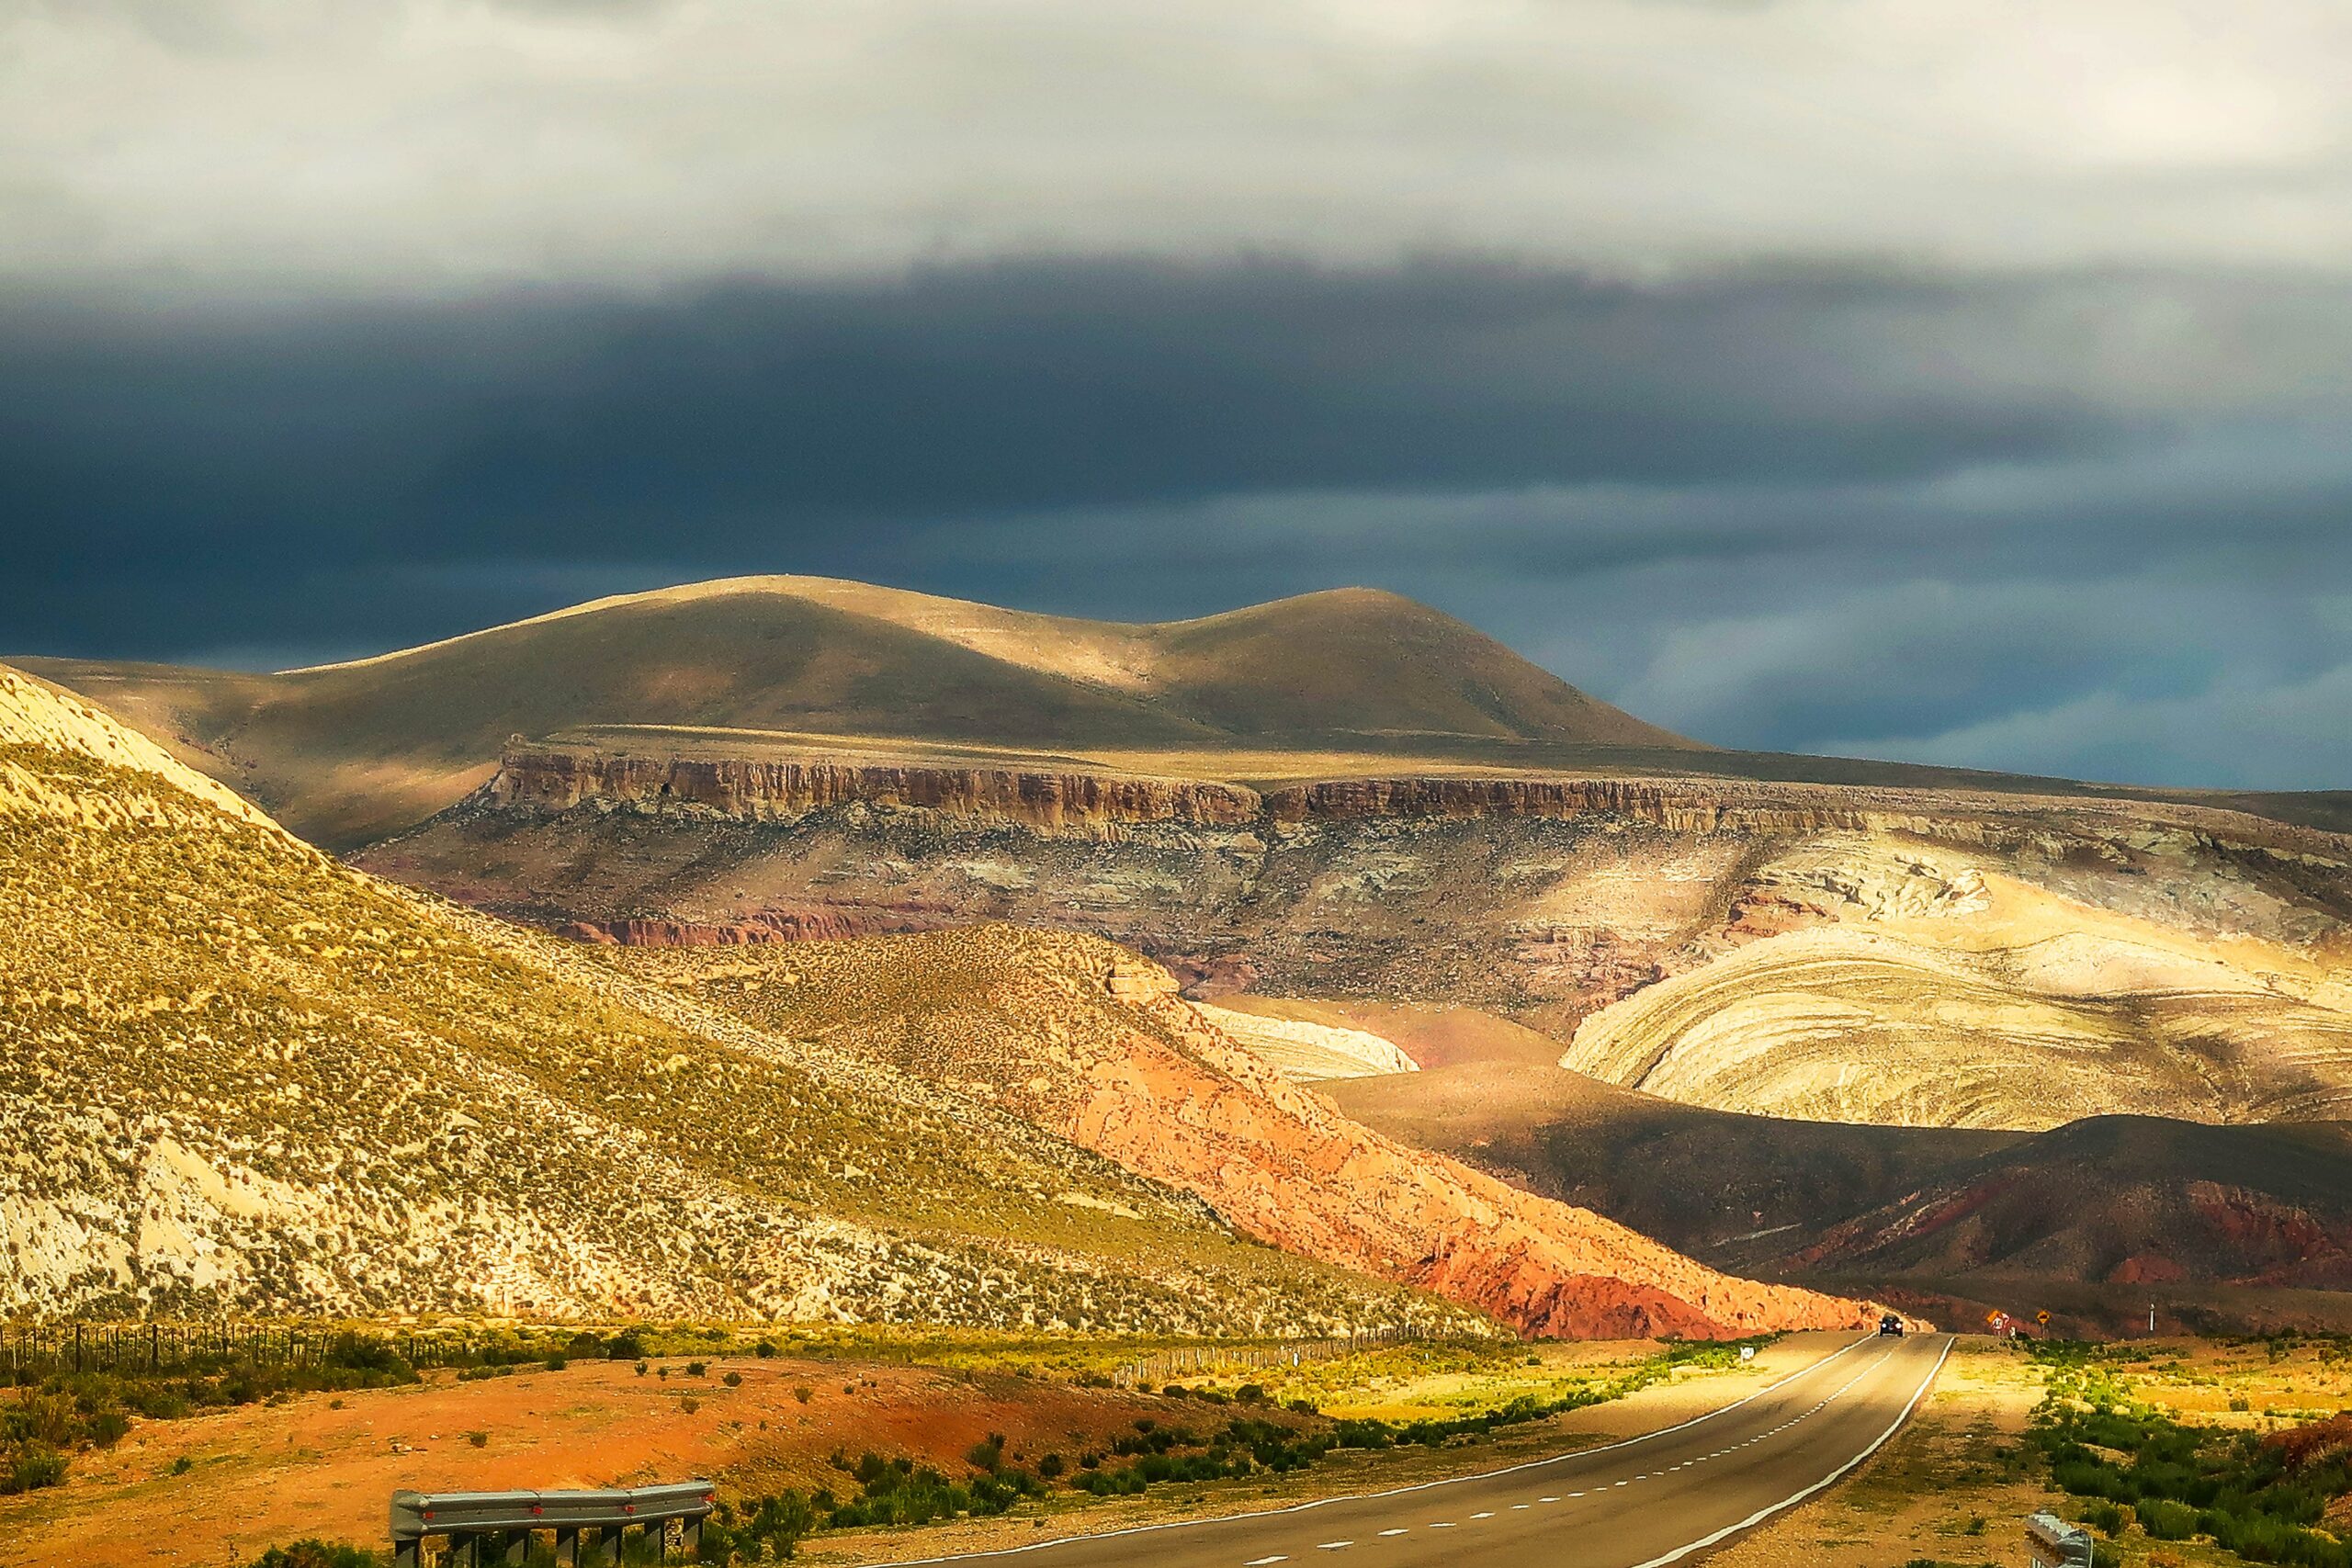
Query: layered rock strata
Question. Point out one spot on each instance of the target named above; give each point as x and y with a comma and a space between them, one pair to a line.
549, 780
552, 779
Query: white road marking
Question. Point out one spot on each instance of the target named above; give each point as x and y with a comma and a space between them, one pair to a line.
1554, 1499
1519, 1508
1487, 1515
1836, 1475
1332, 1545
1395, 1532
1427, 1485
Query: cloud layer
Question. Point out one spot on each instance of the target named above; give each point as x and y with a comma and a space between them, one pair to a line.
424, 145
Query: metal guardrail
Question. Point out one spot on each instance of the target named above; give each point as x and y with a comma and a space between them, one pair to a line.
506, 1523
2051, 1542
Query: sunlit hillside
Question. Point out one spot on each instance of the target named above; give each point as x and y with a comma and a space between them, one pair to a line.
243, 1079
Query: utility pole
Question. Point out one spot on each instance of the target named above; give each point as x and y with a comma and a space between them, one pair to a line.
2152, 1317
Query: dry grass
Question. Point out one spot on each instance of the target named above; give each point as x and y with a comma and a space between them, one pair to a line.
246, 1080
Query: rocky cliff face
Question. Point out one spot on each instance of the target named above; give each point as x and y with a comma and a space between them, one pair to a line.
1677, 921
551, 780
548, 779
1094, 1045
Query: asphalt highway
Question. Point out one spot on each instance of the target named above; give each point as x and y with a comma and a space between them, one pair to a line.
1668, 1496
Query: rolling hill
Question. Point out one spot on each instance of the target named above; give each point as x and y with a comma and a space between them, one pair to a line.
243, 1079
2231, 1227
345, 753
1970, 997
2118, 1200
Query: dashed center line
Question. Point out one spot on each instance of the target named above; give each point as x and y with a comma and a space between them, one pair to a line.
1788, 1423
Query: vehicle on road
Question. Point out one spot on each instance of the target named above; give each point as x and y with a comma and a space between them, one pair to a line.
1891, 1325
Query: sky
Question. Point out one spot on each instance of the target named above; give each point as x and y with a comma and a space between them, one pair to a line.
1965, 381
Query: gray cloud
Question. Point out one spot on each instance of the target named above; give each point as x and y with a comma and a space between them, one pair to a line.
427, 146
1897, 514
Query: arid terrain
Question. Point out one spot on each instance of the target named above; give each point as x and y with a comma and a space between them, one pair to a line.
257, 1080
245, 1079
348, 752
1864, 980
321, 1466
1081, 1040
784, 951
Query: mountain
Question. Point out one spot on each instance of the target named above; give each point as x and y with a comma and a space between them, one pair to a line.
1947, 992
2239, 1226
1079, 1038
347, 754
243, 1079
1840, 953
2119, 1200
1713, 1184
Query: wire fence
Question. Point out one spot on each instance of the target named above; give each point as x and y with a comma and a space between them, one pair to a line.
29, 1352
1199, 1360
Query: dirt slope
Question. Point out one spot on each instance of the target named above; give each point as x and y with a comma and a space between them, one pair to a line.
2119, 1199
1088, 1043
345, 753
2109, 1201
241, 1078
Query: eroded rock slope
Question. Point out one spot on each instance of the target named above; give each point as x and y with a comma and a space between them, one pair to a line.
1089, 1043
1854, 953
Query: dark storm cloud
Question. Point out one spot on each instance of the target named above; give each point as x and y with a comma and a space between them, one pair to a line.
1774, 508
611, 429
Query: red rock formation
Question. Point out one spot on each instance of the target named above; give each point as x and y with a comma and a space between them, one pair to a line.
1186, 1105
1094, 1045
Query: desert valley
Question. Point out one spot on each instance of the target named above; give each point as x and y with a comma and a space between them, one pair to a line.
1317, 997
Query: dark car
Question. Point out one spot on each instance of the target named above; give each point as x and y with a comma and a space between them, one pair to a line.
1891, 1324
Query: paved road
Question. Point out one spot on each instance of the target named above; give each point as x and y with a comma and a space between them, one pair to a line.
1665, 1497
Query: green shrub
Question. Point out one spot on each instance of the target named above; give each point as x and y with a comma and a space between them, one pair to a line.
318, 1554
30, 1467
2165, 1520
